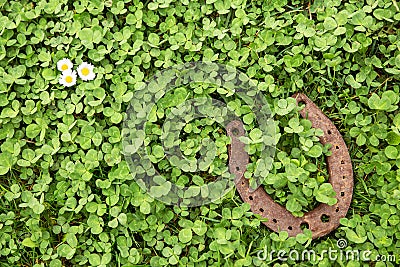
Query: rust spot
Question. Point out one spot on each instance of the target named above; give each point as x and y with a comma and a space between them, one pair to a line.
324, 218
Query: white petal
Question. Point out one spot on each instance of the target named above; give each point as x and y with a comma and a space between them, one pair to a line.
64, 75
91, 74
88, 77
64, 61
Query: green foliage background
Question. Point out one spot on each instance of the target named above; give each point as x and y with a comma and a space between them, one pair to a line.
66, 194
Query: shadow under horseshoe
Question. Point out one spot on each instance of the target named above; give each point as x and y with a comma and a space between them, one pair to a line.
324, 218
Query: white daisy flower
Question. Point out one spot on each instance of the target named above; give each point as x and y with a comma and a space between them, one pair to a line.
85, 71
68, 78
64, 64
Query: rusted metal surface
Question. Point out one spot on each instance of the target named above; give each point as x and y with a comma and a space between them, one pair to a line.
340, 176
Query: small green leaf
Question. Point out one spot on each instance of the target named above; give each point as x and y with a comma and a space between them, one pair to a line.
353, 237
154, 39
32, 130
315, 151
326, 194
27, 242
5, 162
391, 152
66, 251
185, 235
329, 23
199, 227
393, 138
158, 151
49, 74
255, 134
94, 259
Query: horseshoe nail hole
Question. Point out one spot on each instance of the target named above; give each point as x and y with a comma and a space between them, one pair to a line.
342, 162
304, 225
301, 102
251, 197
342, 194
325, 218
237, 168
329, 132
290, 228
344, 177
274, 220
235, 131
337, 147
337, 209
261, 209
242, 183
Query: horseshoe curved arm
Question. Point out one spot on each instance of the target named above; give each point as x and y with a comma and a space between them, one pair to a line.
340, 176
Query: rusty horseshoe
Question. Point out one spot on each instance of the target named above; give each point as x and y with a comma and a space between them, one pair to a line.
324, 218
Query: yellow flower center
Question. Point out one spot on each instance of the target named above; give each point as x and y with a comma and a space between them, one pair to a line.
85, 71
69, 79
64, 67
